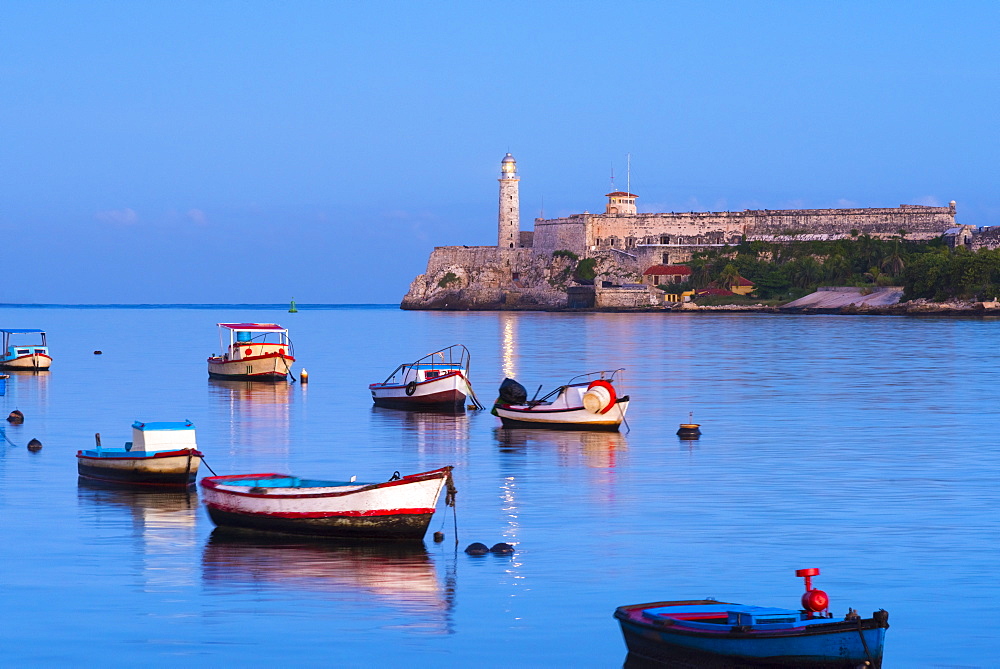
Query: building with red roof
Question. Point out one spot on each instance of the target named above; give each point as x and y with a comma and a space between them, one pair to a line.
665, 274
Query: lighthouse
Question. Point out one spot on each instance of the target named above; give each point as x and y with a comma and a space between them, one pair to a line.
508, 215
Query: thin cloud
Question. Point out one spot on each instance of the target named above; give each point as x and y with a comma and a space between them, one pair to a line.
198, 216
928, 201
118, 216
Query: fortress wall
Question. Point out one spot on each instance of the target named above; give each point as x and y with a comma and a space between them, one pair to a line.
696, 228
987, 238
561, 233
685, 228
920, 223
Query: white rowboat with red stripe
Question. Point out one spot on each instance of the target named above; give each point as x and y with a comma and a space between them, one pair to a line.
400, 508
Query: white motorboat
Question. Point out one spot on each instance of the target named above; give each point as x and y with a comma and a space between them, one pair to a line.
438, 381
588, 402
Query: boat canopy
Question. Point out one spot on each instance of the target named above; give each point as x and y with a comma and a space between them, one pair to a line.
10, 332
250, 327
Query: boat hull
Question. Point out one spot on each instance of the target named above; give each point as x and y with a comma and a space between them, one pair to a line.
175, 469
29, 362
833, 645
574, 418
271, 367
396, 510
447, 392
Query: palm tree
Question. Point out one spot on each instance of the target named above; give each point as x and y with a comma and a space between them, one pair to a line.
729, 277
894, 263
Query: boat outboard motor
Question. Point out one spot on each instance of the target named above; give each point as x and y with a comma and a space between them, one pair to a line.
512, 392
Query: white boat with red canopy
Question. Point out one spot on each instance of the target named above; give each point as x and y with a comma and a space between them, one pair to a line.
438, 381
255, 352
588, 402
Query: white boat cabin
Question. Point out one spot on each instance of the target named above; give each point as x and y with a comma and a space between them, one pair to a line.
249, 340
157, 437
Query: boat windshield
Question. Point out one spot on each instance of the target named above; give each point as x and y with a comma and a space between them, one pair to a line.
611, 375
455, 357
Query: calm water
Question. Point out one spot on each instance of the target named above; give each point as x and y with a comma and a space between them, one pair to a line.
863, 446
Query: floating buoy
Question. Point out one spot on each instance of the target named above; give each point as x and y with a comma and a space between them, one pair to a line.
15, 417
292, 309
689, 430
438, 537
98, 352
600, 397
34, 445
502, 548
477, 549
303, 376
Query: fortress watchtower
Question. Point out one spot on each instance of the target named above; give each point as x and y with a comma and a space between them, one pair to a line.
508, 215
620, 202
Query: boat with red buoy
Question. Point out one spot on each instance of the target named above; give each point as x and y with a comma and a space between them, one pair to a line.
255, 352
587, 402
710, 633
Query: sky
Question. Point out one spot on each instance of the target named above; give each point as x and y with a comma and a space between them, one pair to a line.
252, 152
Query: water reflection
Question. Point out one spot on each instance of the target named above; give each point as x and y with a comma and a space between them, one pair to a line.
433, 432
401, 575
257, 413
28, 387
683, 662
508, 343
573, 447
163, 525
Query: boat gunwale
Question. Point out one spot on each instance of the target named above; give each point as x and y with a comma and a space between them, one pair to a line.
536, 410
215, 483
625, 615
184, 452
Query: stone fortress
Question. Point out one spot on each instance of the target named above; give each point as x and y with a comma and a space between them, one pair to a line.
524, 270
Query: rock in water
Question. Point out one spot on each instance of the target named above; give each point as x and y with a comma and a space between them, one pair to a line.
502, 548
15, 417
34, 445
438, 537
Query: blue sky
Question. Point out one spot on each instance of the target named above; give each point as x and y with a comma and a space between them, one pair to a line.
256, 151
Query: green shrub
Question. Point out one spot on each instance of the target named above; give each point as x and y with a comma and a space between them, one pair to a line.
585, 269
562, 253
448, 279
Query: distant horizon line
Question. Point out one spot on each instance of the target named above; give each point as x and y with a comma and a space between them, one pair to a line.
196, 305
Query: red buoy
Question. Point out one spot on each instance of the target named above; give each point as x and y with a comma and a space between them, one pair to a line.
813, 601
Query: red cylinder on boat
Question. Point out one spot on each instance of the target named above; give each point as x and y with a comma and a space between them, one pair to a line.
815, 601
600, 397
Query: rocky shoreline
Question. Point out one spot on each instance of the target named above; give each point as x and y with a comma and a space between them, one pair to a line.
920, 307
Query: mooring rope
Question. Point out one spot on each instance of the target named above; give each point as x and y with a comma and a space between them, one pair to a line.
4, 433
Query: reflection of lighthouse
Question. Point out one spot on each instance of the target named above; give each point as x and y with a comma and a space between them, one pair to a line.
508, 344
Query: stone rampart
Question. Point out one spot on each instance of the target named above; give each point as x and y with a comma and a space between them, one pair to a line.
986, 238
584, 233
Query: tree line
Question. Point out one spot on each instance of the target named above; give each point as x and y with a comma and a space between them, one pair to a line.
925, 269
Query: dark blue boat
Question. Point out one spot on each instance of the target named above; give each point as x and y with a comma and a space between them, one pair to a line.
709, 633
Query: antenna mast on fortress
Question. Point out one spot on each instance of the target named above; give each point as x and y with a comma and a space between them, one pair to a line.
628, 172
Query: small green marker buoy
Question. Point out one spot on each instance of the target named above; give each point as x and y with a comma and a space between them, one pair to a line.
292, 309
